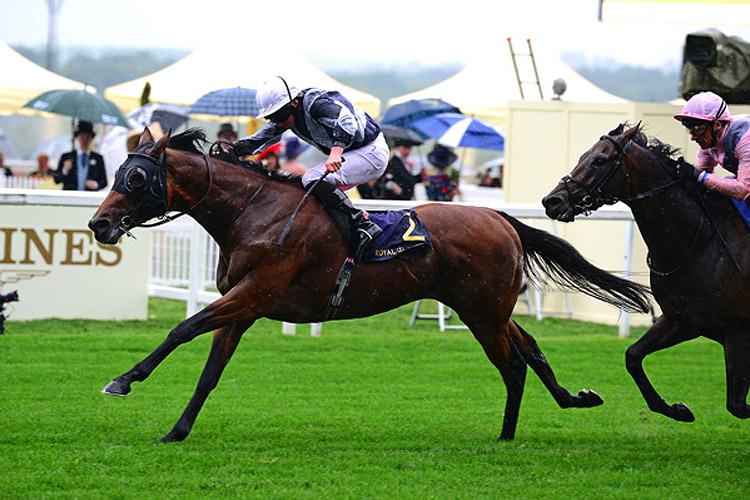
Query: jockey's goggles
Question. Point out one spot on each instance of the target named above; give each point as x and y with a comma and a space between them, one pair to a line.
696, 127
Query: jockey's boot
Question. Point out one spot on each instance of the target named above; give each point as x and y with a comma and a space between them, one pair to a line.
365, 231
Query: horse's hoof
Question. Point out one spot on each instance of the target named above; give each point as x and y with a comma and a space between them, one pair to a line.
681, 413
171, 437
589, 398
116, 388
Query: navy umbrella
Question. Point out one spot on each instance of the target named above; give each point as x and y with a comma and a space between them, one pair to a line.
235, 101
406, 113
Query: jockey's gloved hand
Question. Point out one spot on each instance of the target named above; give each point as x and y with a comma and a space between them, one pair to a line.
686, 171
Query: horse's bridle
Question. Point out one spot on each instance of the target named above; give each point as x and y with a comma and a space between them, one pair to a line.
142, 178
594, 197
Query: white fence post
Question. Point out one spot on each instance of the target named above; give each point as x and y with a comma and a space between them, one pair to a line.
624, 330
197, 244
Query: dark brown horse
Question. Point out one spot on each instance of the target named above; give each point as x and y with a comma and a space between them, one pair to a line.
475, 265
698, 254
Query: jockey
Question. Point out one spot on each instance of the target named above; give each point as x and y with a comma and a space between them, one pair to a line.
722, 139
338, 128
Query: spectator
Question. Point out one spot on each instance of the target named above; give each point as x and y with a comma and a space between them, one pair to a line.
227, 133
441, 183
293, 147
42, 167
269, 157
401, 175
82, 169
3, 169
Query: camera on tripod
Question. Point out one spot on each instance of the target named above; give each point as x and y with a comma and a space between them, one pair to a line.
4, 299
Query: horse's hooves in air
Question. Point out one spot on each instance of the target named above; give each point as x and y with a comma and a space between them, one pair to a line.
589, 399
681, 413
116, 388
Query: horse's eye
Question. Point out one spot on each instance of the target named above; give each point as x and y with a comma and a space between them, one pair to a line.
136, 178
599, 161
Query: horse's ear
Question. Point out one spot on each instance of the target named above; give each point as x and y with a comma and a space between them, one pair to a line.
161, 144
145, 137
630, 133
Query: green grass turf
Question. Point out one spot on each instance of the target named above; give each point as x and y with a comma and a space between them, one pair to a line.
372, 409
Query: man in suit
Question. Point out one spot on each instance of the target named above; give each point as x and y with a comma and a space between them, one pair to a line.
401, 175
82, 169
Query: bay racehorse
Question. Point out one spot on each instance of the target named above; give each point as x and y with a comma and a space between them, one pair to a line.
475, 266
697, 254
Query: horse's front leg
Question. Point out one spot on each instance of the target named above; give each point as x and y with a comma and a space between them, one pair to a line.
737, 361
227, 309
535, 358
662, 334
224, 344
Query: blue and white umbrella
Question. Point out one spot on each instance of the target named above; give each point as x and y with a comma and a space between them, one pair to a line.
235, 101
461, 131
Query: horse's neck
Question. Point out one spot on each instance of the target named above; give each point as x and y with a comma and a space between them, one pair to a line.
233, 193
666, 219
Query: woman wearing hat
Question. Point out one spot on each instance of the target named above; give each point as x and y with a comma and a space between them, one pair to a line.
722, 140
338, 128
442, 184
82, 169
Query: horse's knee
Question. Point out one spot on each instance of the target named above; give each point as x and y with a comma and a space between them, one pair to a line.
633, 359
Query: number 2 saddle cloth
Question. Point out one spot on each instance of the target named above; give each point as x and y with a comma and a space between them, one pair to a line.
403, 230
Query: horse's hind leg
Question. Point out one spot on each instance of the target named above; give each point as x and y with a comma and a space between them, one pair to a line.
503, 353
536, 360
224, 344
662, 334
737, 361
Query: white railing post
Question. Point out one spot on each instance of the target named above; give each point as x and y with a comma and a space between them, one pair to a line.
624, 331
197, 244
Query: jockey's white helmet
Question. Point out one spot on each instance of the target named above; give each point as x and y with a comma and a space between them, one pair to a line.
273, 95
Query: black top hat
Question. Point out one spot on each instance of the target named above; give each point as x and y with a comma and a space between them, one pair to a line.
226, 128
441, 156
83, 127
405, 142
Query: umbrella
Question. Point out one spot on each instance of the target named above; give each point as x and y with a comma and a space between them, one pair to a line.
401, 134
456, 130
235, 101
404, 114
79, 104
169, 116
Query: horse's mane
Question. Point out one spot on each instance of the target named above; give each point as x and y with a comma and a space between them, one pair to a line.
193, 140
663, 152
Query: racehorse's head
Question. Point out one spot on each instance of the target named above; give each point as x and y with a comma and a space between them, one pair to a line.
138, 194
598, 178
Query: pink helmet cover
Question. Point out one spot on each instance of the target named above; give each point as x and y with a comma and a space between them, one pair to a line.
705, 106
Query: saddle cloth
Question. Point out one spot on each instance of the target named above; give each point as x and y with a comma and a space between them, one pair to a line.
402, 231
743, 209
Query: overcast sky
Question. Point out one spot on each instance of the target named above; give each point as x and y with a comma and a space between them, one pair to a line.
337, 32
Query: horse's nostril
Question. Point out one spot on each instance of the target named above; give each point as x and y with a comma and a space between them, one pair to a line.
98, 225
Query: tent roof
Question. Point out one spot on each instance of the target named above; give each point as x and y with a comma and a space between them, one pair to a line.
484, 87
209, 69
22, 80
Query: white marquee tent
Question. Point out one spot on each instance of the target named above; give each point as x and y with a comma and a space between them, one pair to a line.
22, 80
484, 87
209, 69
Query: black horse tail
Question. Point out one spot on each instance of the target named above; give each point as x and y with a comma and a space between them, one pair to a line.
553, 258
